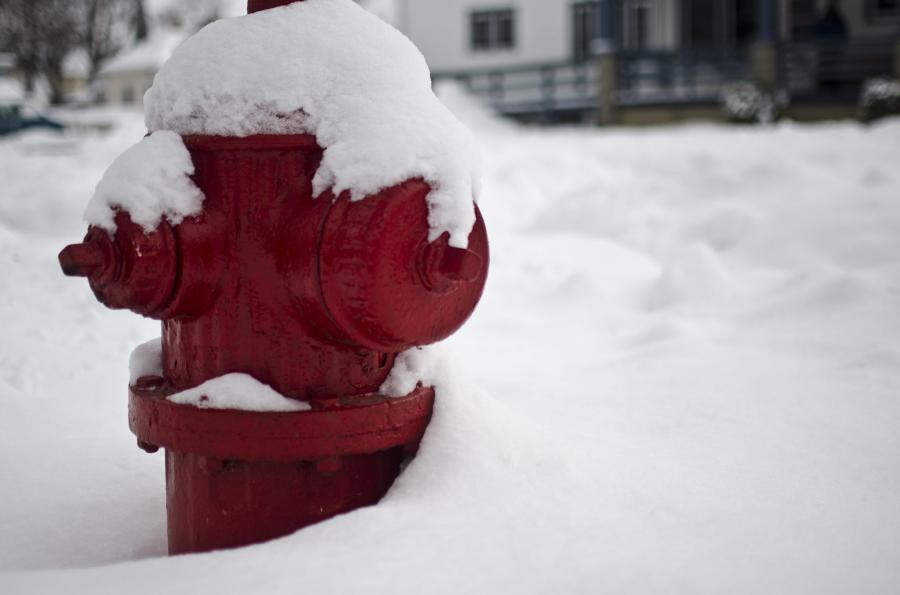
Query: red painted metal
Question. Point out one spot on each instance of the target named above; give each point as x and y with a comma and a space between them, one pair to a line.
238, 477
257, 5
332, 428
313, 296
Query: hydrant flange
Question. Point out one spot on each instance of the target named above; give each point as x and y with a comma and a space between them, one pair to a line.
239, 477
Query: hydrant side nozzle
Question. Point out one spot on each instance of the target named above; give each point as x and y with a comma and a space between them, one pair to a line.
459, 264
82, 260
444, 267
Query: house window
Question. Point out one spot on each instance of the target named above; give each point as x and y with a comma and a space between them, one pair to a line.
493, 30
640, 24
714, 23
586, 28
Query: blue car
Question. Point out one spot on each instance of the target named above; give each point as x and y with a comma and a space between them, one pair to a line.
15, 117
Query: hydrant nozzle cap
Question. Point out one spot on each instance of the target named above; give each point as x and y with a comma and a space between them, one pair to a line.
459, 264
82, 260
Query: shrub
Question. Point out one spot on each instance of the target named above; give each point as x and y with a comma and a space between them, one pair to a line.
745, 103
880, 97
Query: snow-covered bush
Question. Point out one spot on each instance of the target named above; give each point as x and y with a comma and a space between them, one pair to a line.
880, 97
746, 103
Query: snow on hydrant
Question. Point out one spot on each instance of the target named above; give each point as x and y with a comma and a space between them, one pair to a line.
300, 214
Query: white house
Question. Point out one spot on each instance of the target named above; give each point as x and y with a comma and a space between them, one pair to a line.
459, 35
473, 34
539, 58
125, 78
76, 72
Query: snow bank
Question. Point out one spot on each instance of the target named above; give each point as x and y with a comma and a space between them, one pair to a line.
741, 438
151, 180
328, 68
695, 274
237, 391
411, 368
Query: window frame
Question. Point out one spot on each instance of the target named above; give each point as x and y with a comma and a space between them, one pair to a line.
585, 31
492, 29
634, 36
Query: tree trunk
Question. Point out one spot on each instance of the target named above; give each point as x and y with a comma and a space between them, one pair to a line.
140, 20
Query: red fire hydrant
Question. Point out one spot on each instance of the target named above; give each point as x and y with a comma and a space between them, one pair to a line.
312, 296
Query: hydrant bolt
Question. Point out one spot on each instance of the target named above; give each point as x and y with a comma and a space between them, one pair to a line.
149, 383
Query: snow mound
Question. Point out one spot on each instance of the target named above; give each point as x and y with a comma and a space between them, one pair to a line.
695, 275
146, 360
331, 69
724, 226
411, 368
149, 181
237, 391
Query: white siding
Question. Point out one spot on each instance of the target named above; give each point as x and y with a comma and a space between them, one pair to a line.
440, 28
126, 88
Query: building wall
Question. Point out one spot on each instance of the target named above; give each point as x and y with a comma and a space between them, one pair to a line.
441, 31
125, 88
544, 31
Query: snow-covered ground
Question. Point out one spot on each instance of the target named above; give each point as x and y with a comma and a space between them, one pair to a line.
684, 378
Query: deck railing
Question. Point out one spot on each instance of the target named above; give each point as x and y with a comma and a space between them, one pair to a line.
679, 76
546, 88
825, 71
832, 70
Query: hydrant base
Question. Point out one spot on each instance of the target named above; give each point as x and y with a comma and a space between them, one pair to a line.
217, 503
235, 478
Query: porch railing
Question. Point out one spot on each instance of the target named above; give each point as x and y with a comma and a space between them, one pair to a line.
830, 71
679, 76
545, 88
807, 71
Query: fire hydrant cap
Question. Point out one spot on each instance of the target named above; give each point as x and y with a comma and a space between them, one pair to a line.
388, 287
82, 260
